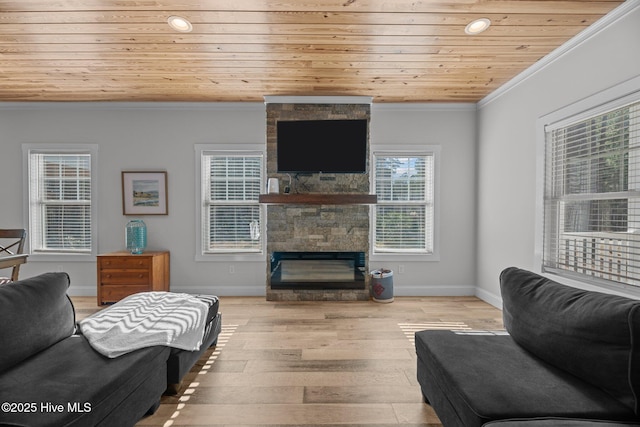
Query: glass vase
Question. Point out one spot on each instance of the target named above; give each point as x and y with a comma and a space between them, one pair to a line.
136, 236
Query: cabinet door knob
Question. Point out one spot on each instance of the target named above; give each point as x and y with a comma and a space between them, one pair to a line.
140, 276
108, 276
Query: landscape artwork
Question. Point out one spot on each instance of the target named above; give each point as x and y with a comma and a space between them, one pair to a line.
144, 193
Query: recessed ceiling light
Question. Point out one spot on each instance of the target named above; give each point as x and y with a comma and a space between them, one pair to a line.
477, 26
179, 23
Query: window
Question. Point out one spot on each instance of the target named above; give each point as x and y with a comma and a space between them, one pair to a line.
592, 196
61, 192
231, 217
404, 217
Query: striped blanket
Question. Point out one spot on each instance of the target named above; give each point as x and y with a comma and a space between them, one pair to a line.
147, 319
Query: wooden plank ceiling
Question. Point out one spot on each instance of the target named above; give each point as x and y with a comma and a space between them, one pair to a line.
241, 50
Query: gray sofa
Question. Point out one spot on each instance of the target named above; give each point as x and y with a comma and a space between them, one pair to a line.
569, 358
51, 376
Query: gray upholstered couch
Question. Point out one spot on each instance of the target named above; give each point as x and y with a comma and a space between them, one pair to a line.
51, 376
570, 358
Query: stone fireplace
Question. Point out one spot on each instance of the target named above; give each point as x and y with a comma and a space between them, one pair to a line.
307, 235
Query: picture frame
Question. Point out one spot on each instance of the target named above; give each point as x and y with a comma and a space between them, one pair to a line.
144, 193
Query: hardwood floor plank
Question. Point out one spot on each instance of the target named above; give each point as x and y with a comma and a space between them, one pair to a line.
325, 365
358, 354
269, 354
368, 394
286, 414
412, 413
314, 363
265, 379
243, 395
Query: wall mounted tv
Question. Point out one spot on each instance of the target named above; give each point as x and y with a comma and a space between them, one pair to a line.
322, 146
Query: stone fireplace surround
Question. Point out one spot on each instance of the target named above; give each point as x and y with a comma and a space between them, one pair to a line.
293, 227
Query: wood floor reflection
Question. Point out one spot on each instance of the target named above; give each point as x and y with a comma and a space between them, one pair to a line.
314, 363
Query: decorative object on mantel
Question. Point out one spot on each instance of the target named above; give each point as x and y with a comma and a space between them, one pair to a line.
136, 236
273, 186
144, 193
287, 188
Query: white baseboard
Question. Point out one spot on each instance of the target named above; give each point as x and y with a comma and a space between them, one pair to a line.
224, 291
433, 291
260, 290
236, 291
490, 298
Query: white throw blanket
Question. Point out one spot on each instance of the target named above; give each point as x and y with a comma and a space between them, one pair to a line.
147, 319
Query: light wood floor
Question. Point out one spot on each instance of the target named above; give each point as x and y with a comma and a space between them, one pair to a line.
314, 363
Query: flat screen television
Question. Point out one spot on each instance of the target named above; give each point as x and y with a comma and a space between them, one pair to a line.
322, 146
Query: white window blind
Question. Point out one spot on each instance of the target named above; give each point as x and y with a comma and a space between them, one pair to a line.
592, 197
60, 202
231, 213
404, 214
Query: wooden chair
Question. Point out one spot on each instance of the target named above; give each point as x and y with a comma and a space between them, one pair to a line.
11, 253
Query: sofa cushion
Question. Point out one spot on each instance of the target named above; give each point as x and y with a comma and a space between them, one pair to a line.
181, 361
471, 379
213, 302
592, 335
35, 313
91, 389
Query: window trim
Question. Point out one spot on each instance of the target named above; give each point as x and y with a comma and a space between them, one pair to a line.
240, 148
51, 148
614, 97
407, 150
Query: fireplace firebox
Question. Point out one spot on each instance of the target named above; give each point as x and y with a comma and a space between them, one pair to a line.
318, 270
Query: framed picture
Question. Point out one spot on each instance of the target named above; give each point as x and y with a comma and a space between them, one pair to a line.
144, 193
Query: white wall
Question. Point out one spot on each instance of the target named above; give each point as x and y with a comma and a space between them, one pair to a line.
133, 137
453, 128
144, 136
507, 140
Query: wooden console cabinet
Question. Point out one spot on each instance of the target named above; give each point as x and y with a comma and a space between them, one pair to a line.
121, 274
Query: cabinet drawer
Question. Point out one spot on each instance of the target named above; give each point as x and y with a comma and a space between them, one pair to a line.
115, 293
125, 263
120, 274
124, 277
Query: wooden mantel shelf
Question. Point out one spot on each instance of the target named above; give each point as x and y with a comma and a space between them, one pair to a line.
319, 199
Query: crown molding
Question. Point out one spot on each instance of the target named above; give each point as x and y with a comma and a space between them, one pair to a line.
603, 23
